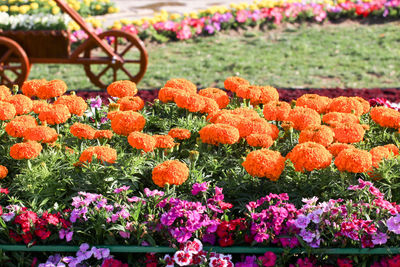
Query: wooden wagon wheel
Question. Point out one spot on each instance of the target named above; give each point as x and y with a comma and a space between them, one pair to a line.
14, 63
128, 47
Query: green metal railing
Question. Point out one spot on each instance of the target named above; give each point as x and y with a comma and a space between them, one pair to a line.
230, 250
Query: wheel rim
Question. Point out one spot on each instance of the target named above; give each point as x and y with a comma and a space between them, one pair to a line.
14, 63
129, 48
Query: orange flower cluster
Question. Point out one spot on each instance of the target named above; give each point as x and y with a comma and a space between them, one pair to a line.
386, 117
349, 133
42, 134
191, 102
264, 163
336, 148
303, 118
102, 154
276, 111
233, 83
18, 126
51, 89
142, 141
125, 122
39, 106
5, 93
354, 160
321, 134
103, 134
133, 103
219, 133
260, 140
27, 150
347, 105
7, 111
316, 102
168, 94
164, 141
170, 172
218, 95
22, 104
179, 133
82, 131
76, 104
3, 172
381, 152
29, 88
309, 156
55, 114
334, 118
182, 84
122, 88
258, 94
210, 105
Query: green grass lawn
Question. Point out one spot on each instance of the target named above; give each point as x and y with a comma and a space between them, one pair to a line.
347, 55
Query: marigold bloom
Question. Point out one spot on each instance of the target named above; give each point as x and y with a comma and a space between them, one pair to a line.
336, 148
210, 106
133, 103
29, 88
386, 117
364, 103
303, 118
349, 133
267, 94
245, 112
227, 118
125, 122
42, 134
257, 126
22, 104
5, 93
168, 94
39, 105
55, 114
99, 153
219, 133
316, 102
334, 118
51, 89
251, 92
182, 84
82, 131
321, 134
309, 156
218, 95
3, 172
103, 134
259, 140
7, 111
179, 133
142, 141
170, 172
112, 114
164, 141
354, 160
346, 105
191, 102
378, 154
264, 163
232, 83
27, 150
122, 88
76, 104
276, 111
393, 149
17, 126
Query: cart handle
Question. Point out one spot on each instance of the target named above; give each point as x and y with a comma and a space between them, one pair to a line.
78, 19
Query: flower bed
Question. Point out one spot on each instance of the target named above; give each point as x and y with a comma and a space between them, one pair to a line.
198, 168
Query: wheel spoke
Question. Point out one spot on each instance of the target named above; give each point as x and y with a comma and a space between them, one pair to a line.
8, 67
5, 77
115, 74
116, 45
127, 73
6, 55
134, 61
126, 50
103, 71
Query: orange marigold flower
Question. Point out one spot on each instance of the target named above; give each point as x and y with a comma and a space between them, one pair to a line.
122, 88
354, 160
51, 89
133, 103
333, 118
55, 114
386, 117
259, 140
22, 104
257, 126
7, 111
39, 105
267, 94
182, 84
336, 148
218, 95
103, 134
168, 94
219, 133
309, 156
17, 126
245, 112
100, 153
27, 150
276, 111
264, 163
393, 149
112, 114
251, 92
5, 93
42, 134
125, 122
303, 118
191, 102
232, 83
210, 105
3, 172
81, 130
346, 105
170, 172
321, 134
142, 141
378, 154
76, 104
316, 102
349, 133
29, 88
179, 133
227, 118
164, 141
365, 104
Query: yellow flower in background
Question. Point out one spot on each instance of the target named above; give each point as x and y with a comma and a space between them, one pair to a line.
111, 9
175, 16
24, 9
253, 7
52, 4
137, 22
97, 7
117, 25
193, 15
55, 10
3, 8
125, 21
73, 26
14, 8
34, 6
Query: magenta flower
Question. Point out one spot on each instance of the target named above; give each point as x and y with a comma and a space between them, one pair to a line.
197, 188
393, 224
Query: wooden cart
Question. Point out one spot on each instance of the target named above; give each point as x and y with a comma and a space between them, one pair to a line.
106, 57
